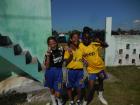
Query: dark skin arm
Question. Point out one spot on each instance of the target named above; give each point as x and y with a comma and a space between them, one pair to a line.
103, 44
47, 61
70, 57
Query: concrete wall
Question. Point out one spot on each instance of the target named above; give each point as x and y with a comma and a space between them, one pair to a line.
27, 22
117, 42
121, 43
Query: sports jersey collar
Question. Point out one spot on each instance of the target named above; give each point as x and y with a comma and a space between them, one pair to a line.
96, 43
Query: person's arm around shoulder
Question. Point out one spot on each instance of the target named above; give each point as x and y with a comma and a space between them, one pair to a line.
101, 51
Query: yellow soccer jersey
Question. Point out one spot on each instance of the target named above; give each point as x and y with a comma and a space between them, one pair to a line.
91, 55
76, 62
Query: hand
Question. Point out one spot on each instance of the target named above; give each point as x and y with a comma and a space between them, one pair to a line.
43, 67
85, 62
48, 53
70, 51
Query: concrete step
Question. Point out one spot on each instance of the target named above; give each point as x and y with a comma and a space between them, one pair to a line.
31, 68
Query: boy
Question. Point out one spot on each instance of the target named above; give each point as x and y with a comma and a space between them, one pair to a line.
53, 73
95, 65
73, 57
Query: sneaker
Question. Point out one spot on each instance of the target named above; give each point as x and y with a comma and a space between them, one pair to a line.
84, 103
53, 100
71, 103
59, 101
48, 103
102, 100
78, 102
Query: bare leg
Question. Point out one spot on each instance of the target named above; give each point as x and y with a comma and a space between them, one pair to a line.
90, 91
100, 92
57, 95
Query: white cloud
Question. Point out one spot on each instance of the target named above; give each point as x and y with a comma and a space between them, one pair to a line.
136, 21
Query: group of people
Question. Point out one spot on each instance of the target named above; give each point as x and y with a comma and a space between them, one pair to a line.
83, 51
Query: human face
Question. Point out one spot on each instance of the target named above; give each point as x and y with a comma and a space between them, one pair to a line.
52, 44
86, 39
75, 39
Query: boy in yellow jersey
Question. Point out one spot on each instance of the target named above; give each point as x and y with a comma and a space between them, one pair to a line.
73, 56
95, 66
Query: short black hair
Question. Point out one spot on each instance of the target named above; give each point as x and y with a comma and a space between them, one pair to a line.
51, 38
71, 35
87, 30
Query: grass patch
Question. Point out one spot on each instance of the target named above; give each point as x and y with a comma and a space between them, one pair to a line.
126, 91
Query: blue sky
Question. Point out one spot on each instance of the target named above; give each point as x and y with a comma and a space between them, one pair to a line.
75, 14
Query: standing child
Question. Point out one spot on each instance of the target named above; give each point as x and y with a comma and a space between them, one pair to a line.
74, 64
95, 66
53, 73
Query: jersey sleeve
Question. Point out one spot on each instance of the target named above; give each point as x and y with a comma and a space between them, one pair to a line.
66, 54
81, 46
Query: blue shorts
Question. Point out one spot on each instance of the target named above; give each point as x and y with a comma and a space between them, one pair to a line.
100, 75
53, 78
75, 79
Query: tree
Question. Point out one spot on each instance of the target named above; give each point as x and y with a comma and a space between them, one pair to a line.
119, 30
55, 33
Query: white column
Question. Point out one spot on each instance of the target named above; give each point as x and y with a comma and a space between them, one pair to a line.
109, 52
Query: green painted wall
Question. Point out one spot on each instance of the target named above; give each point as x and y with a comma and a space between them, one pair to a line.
27, 22
5, 69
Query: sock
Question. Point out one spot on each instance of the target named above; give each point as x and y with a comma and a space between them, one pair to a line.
78, 100
85, 102
101, 98
59, 101
100, 93
53, 100
71, 102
